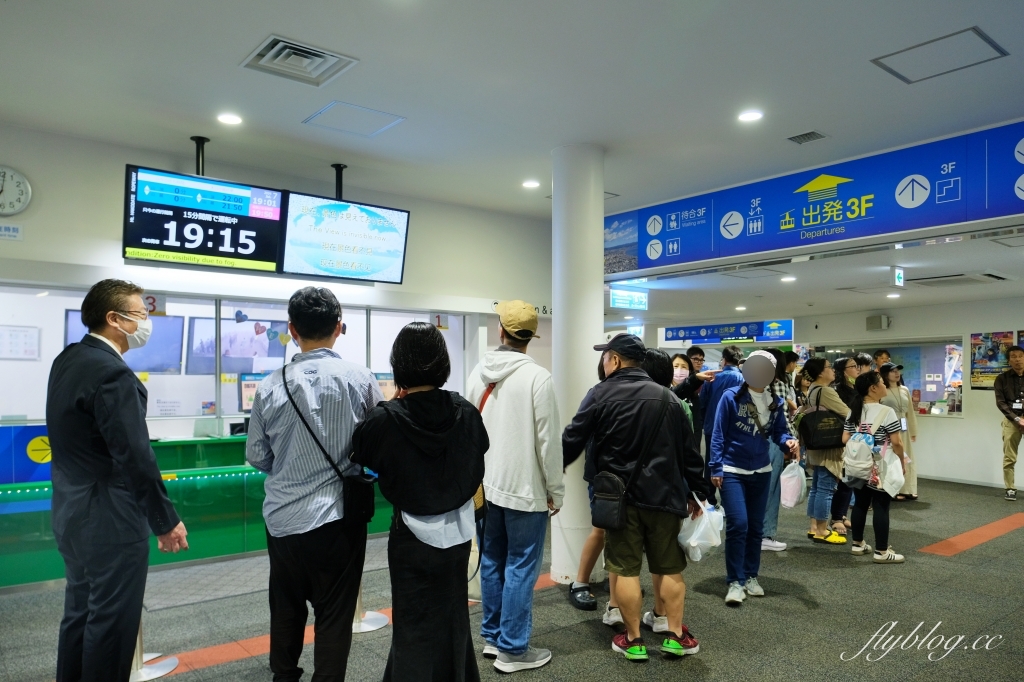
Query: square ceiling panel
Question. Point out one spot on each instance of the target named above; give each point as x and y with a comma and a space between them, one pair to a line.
953, 52
353, 119
753, 273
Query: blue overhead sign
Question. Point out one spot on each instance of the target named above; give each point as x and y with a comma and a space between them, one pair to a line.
631, 300
768, 331
965, 178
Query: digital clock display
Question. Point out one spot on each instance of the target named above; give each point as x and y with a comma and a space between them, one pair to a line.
194, 220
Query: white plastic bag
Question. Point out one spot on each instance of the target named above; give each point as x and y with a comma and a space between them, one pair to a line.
793, 482
891, 473
699, 535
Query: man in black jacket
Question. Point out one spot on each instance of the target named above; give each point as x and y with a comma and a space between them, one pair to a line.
107, 491
616, 417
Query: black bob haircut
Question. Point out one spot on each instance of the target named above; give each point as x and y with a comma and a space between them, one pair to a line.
315, 313
419, 357
658, 366
862, 359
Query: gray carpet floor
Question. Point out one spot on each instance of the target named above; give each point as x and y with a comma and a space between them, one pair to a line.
821, 603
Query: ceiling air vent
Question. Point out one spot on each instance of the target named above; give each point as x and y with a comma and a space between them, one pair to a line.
303, 63
804, 138
963, 279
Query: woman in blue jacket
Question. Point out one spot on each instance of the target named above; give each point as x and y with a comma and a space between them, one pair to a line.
748, 417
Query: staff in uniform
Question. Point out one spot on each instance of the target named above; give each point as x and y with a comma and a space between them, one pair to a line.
1009, 389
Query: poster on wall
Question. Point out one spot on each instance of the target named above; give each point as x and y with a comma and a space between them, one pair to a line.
1020, 338
988, 357
386, 381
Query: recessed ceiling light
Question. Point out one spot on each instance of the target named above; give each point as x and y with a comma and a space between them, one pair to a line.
230, 119
789, 278
893, 296
741, 307
751, 115
42, 293
628, 317
531, 184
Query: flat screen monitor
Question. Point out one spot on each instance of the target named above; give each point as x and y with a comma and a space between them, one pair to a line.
340, 239
161, 355
246, 346
198, 221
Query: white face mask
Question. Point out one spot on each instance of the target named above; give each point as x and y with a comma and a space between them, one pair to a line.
140, 336
679, 374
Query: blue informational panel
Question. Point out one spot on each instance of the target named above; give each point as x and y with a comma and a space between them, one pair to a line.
964, 178
24, 454
768, 331
631, 300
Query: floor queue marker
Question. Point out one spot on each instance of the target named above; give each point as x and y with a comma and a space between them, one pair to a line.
141, 671
366, 621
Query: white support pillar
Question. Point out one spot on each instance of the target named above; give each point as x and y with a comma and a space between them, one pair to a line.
577, 321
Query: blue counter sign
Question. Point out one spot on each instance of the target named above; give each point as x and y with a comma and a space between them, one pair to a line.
768, 331
631, 300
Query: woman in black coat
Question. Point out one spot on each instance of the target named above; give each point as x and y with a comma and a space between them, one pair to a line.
427, 447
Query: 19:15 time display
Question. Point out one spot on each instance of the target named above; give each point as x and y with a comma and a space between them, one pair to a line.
193, 234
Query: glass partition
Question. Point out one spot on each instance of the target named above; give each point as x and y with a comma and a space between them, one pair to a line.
384, 328
932, 370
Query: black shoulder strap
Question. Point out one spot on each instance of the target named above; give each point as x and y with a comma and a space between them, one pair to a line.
284, 380
666, 396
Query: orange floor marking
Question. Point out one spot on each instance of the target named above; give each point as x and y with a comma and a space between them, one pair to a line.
978, 536
260, 646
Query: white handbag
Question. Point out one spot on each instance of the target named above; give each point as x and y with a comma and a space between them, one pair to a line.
891, 473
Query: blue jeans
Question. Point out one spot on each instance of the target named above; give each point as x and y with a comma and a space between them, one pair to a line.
512, 551
744, 497
819, 496
771, 512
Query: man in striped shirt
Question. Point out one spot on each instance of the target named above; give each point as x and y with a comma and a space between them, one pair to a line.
315, 554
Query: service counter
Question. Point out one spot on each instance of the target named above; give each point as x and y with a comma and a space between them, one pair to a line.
221, 507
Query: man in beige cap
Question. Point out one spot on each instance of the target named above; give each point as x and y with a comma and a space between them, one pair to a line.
522, 484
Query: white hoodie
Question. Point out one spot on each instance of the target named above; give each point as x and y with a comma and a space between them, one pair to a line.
523, 467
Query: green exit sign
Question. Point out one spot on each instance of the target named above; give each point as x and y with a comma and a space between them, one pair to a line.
896, 277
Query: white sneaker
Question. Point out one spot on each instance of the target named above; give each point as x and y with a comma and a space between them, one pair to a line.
754, 588
736, 593
772, 545
860, 550
887, 557
490, 651
612, 616
655, 623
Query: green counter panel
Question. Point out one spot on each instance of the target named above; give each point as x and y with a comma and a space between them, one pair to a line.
199, 453
220, 506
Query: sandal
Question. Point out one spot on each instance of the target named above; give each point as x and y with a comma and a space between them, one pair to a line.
900, 498
839, 528
847, 522
833, 538
912, 498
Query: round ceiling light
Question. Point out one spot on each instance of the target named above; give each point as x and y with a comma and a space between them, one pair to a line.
230, 119
531, 184
751, 115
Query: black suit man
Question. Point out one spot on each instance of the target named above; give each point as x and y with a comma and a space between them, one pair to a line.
107, 490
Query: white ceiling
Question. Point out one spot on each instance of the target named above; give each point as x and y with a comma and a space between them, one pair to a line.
821, 284
488, 89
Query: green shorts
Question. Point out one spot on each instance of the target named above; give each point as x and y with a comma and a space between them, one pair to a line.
650, 532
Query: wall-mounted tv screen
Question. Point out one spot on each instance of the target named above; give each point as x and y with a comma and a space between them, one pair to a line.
246, 346
194, 220
161, 355
333, 238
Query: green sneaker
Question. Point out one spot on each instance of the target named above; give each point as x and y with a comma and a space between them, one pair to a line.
633, 650
679, 646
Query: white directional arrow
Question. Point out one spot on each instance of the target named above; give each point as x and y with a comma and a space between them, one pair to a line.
912, 191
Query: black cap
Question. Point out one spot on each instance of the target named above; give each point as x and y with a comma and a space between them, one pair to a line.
890, 366
626, 345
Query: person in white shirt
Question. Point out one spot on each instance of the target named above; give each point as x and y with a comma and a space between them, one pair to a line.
522, 485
